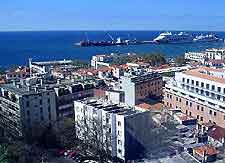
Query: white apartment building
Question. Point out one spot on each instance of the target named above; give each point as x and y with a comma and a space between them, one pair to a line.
24, 107
199, 93
124, 128
195, 56
218, 54
101, 60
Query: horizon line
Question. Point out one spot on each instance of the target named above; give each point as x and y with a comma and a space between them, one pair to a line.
102, 30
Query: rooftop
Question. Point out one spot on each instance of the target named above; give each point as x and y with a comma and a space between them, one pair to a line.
118, 109
217, 133
216, 75
205, 150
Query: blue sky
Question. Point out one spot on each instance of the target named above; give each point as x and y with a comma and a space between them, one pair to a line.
23, 15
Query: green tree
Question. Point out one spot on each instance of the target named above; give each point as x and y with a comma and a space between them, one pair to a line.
180, 60
3, 154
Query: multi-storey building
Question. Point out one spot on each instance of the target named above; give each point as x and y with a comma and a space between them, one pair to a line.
199, 93
196, 56
140, 86
215, 54
18, 73
23, 107
67, 93
123, 128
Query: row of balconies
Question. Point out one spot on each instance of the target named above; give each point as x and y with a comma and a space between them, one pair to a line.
205, 92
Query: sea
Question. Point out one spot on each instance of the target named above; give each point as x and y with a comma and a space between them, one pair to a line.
17, 47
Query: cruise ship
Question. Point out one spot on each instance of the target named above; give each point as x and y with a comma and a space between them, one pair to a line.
168, 37
206, 38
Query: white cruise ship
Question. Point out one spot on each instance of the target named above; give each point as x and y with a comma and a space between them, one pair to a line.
206, 38
168, 37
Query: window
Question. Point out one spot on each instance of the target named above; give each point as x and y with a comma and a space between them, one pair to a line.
218, 97
202, 108
119, 133
210, 112
107, 120
197, 107
197, 83
207, 86
40, 102
180, 99
170, 96
192, 82
202, 92
119, 123
183, 80
190, 104
41, 109
190, 113
207, 93
188, 80
186, 112
48, 100
186, 103
27, 104
120, 151
214, 113
213, 87
201, 119
119, 142
176, 98
219, 89
197, 116
202, 84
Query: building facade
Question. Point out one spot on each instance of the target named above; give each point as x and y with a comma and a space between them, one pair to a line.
194, 56
199, 93
139, 87
123, 128
24, 107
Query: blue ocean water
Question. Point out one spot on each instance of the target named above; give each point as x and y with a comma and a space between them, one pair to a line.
17, 47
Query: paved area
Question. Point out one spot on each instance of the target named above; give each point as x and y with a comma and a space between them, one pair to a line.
61, 160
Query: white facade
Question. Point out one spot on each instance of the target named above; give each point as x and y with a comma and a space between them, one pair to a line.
194, 56
215, 53
125, 126
26, 108
203, 87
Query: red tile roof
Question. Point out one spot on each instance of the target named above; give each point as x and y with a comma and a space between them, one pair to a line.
217, 133
147, 106
205, 149
197, 73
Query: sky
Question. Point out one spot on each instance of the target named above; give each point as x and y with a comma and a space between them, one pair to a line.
23, 15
